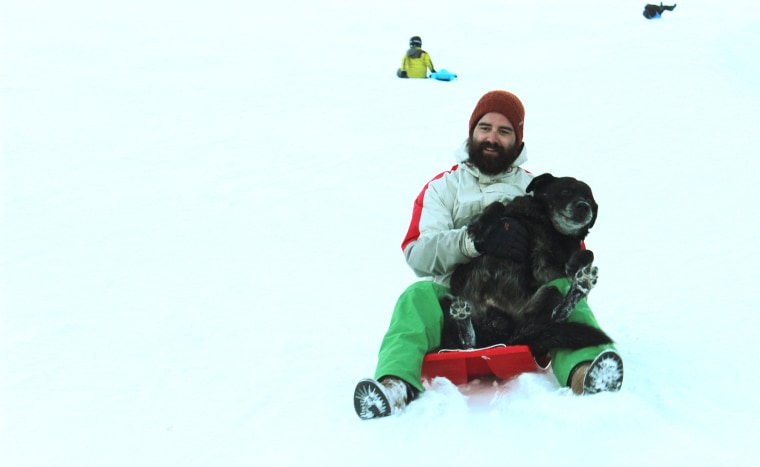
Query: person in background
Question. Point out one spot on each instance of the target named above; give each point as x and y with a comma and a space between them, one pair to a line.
488, 169
654, 11
416, 62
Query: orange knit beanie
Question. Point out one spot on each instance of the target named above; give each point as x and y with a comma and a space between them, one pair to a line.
504, 103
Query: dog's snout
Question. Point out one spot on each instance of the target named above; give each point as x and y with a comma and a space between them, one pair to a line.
583, 206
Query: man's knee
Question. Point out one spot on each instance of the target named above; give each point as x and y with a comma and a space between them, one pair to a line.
422, 300
425, 289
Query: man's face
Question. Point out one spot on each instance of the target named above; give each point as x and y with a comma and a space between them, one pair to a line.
493, 144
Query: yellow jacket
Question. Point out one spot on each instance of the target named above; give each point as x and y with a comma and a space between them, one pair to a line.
416, 63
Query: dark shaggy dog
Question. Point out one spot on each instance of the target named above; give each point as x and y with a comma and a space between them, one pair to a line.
498, 301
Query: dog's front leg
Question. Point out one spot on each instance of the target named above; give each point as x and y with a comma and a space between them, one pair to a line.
461, 311
583, 281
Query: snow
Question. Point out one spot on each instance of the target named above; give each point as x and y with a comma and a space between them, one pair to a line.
203, 205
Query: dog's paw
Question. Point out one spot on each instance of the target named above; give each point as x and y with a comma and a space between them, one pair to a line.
578, 260
586, 277
460, 308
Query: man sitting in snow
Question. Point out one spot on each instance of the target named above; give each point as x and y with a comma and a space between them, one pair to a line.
654, 11
488, 170
416, 61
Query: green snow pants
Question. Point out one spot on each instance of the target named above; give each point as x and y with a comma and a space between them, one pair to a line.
416, 325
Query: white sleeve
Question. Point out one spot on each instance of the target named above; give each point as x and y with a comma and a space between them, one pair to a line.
438, 250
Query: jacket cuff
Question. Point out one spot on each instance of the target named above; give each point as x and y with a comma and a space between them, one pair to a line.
467, 246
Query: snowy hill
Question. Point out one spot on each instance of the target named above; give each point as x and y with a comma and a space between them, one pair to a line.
203, 206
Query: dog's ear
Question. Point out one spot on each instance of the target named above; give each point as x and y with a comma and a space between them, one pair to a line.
538, 182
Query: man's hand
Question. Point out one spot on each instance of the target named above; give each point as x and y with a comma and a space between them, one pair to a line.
508, 240
504, 237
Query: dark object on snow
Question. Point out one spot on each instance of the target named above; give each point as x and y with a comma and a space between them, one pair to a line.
500, 301
654, 11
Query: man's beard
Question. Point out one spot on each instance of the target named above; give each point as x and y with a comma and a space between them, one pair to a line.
492, 165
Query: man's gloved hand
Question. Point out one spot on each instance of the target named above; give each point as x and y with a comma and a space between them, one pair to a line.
509, 240
494, 234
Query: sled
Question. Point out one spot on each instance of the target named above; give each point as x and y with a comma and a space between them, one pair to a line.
443, 75
461, 366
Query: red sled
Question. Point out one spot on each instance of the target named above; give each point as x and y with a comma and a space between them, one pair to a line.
461, 366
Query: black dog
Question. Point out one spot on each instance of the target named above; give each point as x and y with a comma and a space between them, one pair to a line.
499, 301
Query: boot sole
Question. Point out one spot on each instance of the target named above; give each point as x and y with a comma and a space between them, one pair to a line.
371, 400
604, 374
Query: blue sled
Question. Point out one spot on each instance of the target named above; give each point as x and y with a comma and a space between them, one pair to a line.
443, 75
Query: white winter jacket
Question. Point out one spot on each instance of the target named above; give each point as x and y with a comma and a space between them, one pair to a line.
445, 207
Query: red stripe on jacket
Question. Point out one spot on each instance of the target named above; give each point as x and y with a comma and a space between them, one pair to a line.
414, 227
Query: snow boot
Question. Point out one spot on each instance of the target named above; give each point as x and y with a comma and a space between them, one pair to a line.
375, 399
604, 373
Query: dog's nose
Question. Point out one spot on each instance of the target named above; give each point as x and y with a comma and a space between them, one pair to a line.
582, 207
